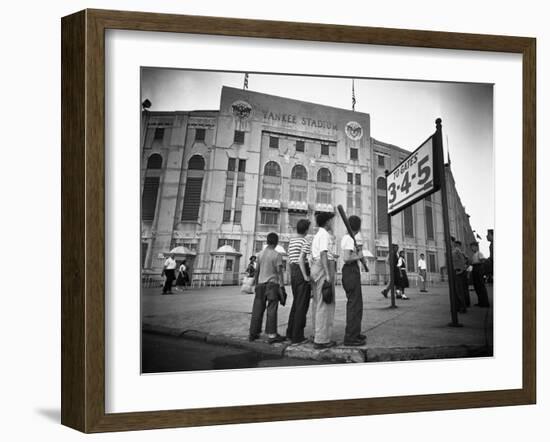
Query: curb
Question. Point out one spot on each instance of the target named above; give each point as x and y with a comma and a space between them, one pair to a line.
383, 354
232, 341
161, 330
338, 354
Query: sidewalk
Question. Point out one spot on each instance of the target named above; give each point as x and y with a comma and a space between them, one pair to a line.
417, 329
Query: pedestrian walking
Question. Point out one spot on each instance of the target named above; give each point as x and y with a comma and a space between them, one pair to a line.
298, 249
351, 281
459, 264
489, 263
478, 266
183, 276
268, 280
403, 278
169, 273
323, 271
466, 275
423, 272
394, 269
251, 269
248, 281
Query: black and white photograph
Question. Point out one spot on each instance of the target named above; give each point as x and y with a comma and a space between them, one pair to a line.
302, 220
251, 221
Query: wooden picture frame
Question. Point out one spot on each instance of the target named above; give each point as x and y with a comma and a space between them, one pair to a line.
83, 220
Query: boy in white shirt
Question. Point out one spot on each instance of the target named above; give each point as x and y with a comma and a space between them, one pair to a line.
322, 269
351, 281
423, 271
169, 273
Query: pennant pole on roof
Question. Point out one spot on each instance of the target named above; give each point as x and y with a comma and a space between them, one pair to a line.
353, 101
448, 151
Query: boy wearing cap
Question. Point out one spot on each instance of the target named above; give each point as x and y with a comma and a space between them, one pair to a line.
351, 281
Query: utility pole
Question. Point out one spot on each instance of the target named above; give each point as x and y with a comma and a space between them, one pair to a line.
438, 141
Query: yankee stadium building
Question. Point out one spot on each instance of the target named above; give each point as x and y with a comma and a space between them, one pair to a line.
216, 182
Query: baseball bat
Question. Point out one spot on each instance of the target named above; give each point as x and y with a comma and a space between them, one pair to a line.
345, 219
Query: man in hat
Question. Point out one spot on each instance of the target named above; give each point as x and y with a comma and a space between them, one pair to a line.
478, 261
459, 264
394, 269
489, 263
322, 269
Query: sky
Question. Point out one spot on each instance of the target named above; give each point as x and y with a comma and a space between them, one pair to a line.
402, 113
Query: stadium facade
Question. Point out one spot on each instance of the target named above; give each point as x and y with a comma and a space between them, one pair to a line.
216, 182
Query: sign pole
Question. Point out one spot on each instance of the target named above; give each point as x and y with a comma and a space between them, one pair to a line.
390, 251
438, 142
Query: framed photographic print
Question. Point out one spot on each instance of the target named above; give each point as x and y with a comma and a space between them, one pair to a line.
266, 221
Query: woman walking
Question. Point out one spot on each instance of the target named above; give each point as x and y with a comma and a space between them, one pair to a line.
251, 269
403, 279
183, 277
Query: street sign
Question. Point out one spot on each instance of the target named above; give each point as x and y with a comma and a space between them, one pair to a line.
414, 178
417, 176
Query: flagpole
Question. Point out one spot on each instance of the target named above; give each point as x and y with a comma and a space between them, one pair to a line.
448, 150
353, 94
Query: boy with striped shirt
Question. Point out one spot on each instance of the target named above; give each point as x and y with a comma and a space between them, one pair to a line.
298, 249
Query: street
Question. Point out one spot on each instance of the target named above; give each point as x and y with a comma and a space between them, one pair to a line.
169, 353
207, 328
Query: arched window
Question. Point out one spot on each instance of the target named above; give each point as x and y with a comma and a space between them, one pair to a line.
298, 183
324, 175
324, 188
271, 188
151, 187
299, 172
154, 161
193, 189
381, 205
196, 163
271, 168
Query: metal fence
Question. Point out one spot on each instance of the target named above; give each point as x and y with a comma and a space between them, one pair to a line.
200, 279
151, 281
210, 279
